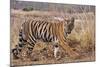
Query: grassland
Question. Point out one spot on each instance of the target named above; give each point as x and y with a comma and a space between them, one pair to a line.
82, 38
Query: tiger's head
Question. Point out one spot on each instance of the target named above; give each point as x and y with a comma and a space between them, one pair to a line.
69, 25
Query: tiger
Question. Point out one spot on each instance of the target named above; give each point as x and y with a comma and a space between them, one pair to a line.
56, 32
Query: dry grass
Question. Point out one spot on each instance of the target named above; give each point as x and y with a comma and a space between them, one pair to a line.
82, 38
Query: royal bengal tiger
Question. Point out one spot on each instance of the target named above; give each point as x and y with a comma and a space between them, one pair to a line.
56, 32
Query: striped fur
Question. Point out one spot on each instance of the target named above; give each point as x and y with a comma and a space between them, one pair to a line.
33, 30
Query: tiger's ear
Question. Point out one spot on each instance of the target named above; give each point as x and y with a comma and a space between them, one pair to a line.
67, 20
70, 20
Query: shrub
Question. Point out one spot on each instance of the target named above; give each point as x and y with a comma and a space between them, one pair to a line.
27, 9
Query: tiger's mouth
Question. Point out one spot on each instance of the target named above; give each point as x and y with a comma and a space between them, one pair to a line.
69, 32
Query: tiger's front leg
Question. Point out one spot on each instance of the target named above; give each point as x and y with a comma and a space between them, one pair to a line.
56, 48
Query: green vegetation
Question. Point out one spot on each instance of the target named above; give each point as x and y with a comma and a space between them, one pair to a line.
27, 9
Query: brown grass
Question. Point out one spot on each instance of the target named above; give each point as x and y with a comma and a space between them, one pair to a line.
82, 38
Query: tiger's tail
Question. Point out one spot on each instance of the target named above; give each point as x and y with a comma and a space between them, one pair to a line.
21, 44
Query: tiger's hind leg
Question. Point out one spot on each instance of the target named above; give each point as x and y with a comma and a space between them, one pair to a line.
30, 47
56, 47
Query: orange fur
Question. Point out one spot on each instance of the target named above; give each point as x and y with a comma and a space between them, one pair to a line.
58, 30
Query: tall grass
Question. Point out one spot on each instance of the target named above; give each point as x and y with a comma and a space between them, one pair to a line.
83, 32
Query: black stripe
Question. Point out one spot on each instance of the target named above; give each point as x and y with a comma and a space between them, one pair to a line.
36, 32
32, 34
45, 26
30, 43
41, 22
48, 34
20, 40
42, 26
49, 37
34, 23
32, 27
45, 38
20, 33
50, 40
21, 45
49, 27
35, 29
43, 31
53, 38
33, 39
